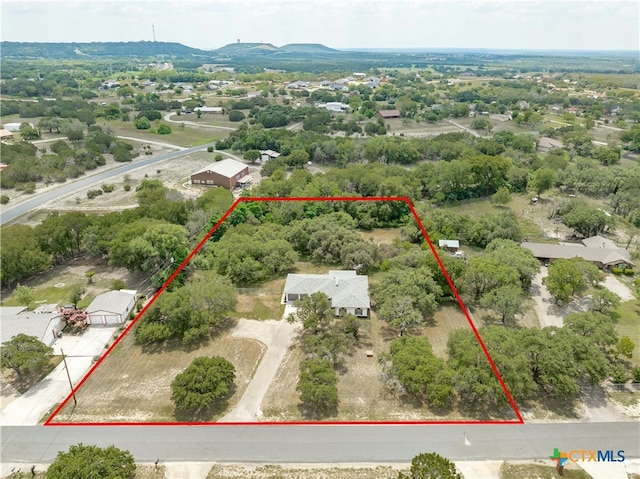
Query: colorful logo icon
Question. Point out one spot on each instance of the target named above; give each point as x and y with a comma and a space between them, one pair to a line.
560, 457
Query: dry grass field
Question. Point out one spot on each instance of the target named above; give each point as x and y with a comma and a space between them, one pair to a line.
300, 472
134, 383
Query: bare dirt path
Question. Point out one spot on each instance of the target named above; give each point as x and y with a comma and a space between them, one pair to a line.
277, 337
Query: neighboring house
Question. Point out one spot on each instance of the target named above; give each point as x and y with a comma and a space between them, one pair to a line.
12, 127
335, 106
338, 86
254, 94
388, 114
348, 291
298, 84
6, 136
545, 143
112, 307
45, 326
208, 109
226, 173
449, 245
603, 256
266, 155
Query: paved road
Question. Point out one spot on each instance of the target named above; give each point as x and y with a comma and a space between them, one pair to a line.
70, 187
278, 444
168, 116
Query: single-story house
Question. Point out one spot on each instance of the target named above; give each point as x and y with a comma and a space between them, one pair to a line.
18, 320
545, 143
266, 155
347, 291
449, 245
599, 242
113, 307
388, 114
12, 127
208, 109
603, 257
6, 136
334, 106
227, 173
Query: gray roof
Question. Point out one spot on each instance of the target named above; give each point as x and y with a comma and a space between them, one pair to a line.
606, 256
228, 168
444, 243
16, 320
345, 288
115, 302
599, 242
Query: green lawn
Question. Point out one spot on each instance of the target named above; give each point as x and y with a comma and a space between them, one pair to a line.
52, 295
186, 137
629, 325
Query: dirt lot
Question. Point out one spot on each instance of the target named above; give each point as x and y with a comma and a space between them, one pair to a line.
134, 384
362, 395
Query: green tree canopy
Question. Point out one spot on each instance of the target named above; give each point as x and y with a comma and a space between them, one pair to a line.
431, 466
317, 386
82, 462
203, 383
26, 355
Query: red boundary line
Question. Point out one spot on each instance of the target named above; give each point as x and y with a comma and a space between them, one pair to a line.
404, 199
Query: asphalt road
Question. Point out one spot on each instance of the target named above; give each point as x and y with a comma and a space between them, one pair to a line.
70, 187
282, 444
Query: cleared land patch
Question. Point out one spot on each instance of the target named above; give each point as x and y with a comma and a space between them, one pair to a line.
134, 384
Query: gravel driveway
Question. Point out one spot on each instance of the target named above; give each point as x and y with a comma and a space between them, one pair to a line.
277, 337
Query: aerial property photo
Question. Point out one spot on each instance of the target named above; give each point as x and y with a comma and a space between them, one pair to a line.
297, 342
320, 239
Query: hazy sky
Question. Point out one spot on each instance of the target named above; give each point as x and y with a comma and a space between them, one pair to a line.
209, 24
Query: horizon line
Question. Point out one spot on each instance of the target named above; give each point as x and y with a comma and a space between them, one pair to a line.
345, 48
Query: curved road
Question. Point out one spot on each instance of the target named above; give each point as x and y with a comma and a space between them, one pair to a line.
70, 187
325, 443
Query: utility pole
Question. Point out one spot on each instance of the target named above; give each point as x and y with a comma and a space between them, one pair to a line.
66, 367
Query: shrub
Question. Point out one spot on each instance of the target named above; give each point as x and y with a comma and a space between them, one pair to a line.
117, 284
218, 157
616, 270
4, 199
107, 188
150, 114
236, 115
163, 129
628, 272
618, 374
635, 374
210, 149
127, 187
91, 194
142, 123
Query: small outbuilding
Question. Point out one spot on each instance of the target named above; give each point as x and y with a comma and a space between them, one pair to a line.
113, 307
450, 245
226, 173
388, 114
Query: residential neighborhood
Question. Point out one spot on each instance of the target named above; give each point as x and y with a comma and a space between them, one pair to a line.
320, 254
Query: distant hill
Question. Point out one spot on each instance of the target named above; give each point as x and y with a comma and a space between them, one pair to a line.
307, 48
244, 49
97, 50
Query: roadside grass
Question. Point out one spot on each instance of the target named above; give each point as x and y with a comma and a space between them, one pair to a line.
625, 398
540, 471
228, 471
150, 471
134, 383
628, 314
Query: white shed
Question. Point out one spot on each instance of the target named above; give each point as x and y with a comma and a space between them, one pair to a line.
112, 307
